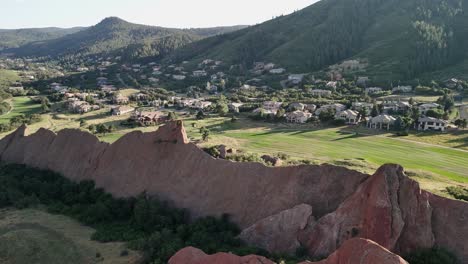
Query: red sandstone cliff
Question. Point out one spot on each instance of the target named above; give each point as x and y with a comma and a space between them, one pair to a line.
387, 207
163, 163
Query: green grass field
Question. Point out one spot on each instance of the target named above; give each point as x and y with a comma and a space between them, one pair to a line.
336, 144
33, 236
21, 105
8, 77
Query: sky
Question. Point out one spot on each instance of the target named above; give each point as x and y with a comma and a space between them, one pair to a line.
166, 13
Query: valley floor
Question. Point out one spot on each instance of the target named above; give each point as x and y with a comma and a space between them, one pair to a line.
33, 236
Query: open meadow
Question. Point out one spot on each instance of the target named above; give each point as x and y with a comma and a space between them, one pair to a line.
33, 236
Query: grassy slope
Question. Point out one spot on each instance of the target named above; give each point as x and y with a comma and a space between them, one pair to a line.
332, 144
21, 105
7, 77
33, 236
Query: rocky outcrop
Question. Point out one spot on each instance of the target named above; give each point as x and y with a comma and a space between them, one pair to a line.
164, 163
361, 251
278, 233
353, 251
391, 209
192, 255
388, 207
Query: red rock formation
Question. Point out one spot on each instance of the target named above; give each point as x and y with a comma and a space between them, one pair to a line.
388, 207
278, 233
192, 255
163, 163
353, 251
361, 251
392, 210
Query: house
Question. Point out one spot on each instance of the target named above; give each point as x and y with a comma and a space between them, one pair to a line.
200, 105
335, 107
362, 81
359, 106
178, 77
349, 116
269, 66
395, 106
122, 110
268, 108
271, 112
299, 117
321, 93
452, 83
278, 71
373, 90
332, 84
101, 81
429, 106
296, 107
120, 99
199, 73
381, 122
77, 106
296, 78
207, 62
146, 118
108, 88
259, 66
55, 86
153, 80
311, 107
235, 107
430, 123
271, 105
402, 89
16, 89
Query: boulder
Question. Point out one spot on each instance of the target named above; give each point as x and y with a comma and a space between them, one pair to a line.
278, 233
389, 208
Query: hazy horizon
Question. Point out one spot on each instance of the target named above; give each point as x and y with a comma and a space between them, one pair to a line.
164, 13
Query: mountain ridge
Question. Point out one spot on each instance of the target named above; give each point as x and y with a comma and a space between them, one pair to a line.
113, 35
397, 39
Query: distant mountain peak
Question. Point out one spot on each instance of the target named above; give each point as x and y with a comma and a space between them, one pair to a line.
112, 21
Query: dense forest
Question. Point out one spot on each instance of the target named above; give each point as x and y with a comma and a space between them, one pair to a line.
399, 39
14, 38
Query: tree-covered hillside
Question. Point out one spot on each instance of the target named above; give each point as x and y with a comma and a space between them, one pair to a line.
116, 36
399, 39
14, 38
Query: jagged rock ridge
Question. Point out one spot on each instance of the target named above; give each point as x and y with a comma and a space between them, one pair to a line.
164, 163
268, 203
354, 251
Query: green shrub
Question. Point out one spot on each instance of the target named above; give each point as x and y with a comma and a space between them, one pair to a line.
432, 256
458, 192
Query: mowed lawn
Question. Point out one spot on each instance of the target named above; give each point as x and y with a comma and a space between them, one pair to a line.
331, 144
328, 145
21, 105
